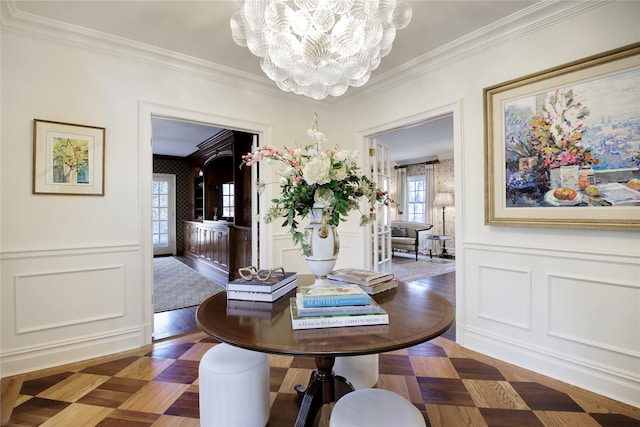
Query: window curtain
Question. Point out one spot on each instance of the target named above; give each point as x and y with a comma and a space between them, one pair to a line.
401, 192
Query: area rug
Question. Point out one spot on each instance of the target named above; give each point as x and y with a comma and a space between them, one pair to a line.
408, 269
175, 285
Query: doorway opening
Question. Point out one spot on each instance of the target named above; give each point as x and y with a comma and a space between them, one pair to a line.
422, 153
168, 152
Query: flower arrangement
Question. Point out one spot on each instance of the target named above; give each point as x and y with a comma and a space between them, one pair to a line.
70, 160
558, 130
316, 176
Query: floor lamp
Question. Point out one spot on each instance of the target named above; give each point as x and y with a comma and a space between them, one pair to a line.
444, 200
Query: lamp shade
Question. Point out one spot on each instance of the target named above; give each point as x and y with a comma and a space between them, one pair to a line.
443, 199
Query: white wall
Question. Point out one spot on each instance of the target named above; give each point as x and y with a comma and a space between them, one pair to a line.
559, 301
564, 302
76, 271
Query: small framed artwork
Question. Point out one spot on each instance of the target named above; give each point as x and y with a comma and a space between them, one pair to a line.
562, 147
68, 158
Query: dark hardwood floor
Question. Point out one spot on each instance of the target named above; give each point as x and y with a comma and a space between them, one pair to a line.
169, 324
172, 323
178, 322
445, 285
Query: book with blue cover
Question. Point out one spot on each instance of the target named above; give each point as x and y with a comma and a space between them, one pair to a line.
371, 308
334, 321
333, 295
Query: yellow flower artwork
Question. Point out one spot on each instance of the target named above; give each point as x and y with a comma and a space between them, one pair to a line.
71, 161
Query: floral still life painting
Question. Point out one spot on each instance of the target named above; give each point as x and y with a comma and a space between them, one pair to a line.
568, 137
585, 126
317, 175
68, 159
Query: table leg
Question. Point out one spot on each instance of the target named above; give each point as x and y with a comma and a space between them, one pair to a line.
324, 387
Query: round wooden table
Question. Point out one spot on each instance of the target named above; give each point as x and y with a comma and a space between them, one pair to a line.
416, 315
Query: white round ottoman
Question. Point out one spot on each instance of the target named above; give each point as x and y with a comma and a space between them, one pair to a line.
374, 407
234, 387
360, 371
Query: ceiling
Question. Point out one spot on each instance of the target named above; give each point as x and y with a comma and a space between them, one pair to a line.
200, 29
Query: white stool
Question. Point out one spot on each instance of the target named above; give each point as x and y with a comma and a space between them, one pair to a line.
376, 408
234, 387
360, 371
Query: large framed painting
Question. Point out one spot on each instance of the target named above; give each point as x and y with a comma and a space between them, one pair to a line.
562, 147
68, 158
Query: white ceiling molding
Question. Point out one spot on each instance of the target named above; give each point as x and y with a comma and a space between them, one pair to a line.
539, 15
52, 31
544, 13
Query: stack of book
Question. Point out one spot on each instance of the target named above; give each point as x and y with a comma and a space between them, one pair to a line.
251, 308
334, 306
262, 290
372, 282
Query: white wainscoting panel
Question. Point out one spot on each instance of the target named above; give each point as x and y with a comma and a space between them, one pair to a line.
53, 299
571, 315
600, 314
291, 259
68, 304
505, 295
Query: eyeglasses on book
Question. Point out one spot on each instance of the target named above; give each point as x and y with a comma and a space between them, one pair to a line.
248, 273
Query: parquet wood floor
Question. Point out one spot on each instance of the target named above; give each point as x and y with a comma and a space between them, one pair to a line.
158, 386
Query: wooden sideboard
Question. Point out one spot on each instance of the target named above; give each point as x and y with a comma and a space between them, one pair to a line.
223, 246
220, 236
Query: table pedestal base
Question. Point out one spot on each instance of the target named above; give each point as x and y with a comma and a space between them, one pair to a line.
324, 387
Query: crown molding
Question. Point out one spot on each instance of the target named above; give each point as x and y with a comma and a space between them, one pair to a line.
539, 15
47, 30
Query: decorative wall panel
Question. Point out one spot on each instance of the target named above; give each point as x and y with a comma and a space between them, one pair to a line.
53, 299
599, 314
505, 296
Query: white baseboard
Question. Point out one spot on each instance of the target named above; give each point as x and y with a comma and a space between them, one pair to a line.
597, 379
54, 354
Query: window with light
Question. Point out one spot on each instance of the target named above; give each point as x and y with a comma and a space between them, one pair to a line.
227, 200
416, 198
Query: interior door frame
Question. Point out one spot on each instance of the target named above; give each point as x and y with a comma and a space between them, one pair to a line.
146, 110
453, 108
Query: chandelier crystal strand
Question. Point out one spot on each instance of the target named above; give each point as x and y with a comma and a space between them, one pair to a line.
318, 48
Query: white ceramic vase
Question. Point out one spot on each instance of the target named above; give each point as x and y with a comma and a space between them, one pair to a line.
324, 244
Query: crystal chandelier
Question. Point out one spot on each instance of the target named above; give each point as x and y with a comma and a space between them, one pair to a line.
319, 47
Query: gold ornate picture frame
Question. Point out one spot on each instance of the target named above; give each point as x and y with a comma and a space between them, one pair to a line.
68, 158
574, 128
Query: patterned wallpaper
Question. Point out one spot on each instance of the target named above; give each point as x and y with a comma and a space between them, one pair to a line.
179, 168
445, 183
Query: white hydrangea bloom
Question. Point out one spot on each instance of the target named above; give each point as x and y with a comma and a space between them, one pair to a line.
317, 171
